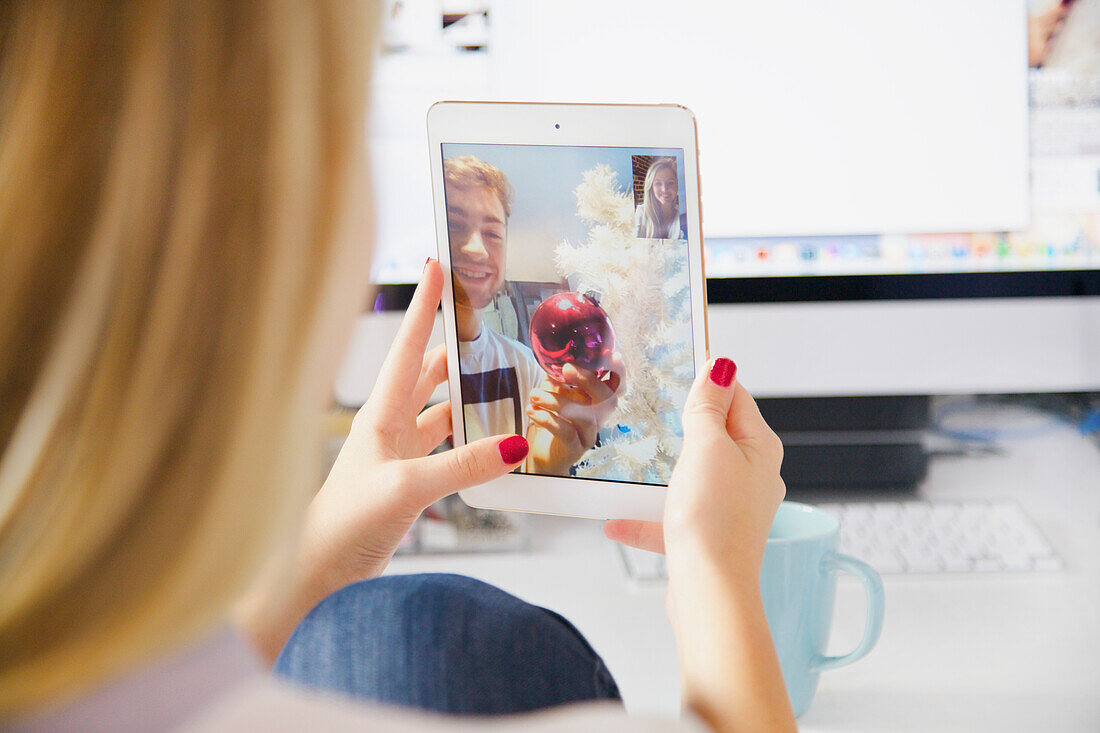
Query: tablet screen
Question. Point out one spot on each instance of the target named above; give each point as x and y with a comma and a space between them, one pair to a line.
569, 268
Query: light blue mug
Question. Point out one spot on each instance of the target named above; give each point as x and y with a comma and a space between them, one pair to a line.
798, 585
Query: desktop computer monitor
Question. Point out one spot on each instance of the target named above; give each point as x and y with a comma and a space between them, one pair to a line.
898, 198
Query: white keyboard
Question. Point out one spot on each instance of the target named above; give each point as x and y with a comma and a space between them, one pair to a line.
943, 537
920, 537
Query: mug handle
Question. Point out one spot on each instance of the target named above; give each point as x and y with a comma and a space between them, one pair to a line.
872, 625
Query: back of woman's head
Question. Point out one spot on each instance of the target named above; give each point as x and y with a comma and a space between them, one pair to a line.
174, 180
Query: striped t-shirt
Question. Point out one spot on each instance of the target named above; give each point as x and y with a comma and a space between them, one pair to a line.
497, 376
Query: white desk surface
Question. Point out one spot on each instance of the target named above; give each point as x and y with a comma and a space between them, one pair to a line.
1003, 652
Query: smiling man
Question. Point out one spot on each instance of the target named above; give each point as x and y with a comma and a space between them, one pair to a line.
503, 387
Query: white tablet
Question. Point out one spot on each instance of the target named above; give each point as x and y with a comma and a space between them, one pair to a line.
574, 304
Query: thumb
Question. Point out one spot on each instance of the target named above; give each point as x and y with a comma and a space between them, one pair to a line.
708, 403
442, 474
636, 533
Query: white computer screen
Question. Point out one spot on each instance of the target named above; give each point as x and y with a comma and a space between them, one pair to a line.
849, 137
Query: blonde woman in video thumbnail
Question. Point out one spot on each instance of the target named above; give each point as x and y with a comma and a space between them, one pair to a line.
658, 216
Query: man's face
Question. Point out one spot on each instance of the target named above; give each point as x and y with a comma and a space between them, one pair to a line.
478, 233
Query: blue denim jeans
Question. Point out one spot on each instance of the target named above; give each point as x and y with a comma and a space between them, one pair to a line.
444, 643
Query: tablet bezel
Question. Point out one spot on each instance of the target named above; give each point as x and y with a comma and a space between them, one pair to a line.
597, 125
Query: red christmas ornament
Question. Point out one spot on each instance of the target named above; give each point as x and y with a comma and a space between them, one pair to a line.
570, 328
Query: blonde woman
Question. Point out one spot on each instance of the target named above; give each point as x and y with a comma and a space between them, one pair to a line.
183, 247
658, 216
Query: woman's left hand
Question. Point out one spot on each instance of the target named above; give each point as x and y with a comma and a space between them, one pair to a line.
383, 477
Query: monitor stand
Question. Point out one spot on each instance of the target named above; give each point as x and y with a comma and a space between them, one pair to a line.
853, 447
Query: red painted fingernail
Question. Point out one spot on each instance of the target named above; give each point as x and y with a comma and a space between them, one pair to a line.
513, 449
723, 371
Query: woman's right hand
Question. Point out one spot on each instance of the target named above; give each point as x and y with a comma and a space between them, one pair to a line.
721, 501
725, 489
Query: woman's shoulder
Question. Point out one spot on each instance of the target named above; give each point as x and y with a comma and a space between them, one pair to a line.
270, 704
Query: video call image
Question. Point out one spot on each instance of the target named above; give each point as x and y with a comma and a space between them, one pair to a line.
570, 274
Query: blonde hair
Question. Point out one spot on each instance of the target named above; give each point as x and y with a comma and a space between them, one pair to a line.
652, 226
468, 170
172, 226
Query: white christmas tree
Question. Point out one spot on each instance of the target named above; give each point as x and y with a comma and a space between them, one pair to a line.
643, 286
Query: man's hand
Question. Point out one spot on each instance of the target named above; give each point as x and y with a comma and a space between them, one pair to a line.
566, 417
